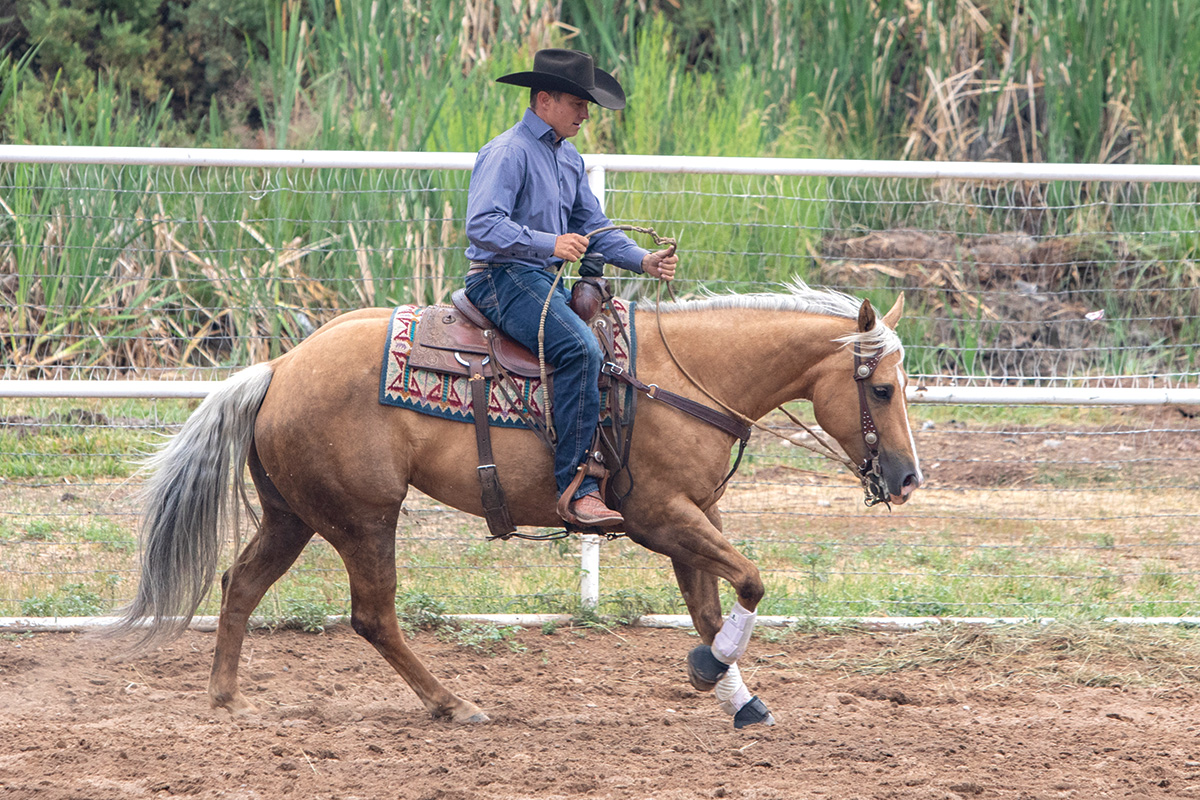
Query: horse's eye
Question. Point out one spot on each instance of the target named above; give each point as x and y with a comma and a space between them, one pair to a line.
882, 392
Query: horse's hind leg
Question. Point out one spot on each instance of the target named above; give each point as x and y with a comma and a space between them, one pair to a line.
276, 546
371, 562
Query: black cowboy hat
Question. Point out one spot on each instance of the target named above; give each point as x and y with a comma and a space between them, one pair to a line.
573, 72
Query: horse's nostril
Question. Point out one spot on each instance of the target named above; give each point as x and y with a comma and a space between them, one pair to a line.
912, 480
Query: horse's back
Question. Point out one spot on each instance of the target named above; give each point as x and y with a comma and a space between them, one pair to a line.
358, 315
322, 407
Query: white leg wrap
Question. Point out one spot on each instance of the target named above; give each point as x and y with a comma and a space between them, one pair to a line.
733, 638
731, 691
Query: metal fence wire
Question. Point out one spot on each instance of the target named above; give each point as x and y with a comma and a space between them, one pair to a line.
1051, 335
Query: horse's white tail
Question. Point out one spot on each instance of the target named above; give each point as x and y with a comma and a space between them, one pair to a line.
189, 502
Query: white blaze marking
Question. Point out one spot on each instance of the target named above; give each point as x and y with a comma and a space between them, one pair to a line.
902, 379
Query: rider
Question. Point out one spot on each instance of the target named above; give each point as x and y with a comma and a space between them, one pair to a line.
528, 208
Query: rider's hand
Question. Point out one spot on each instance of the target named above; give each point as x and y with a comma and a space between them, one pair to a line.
570, 246
661, 264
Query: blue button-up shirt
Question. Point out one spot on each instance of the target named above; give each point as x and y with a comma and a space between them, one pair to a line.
527, 188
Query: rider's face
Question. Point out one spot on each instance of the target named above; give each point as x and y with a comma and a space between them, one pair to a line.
564, 113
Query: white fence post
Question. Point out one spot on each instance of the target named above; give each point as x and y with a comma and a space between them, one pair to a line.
589, 571
589, 547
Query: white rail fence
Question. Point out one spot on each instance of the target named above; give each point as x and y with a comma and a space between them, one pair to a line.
1013, 267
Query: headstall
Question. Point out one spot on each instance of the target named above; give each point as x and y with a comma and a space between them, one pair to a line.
870, 472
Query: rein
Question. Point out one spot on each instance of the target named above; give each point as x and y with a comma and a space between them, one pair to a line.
869, 472
658, 240
732, 421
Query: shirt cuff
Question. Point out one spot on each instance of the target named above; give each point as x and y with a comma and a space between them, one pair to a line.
542, 243
636, 256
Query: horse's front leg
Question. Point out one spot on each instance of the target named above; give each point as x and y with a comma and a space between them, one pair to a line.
700, 554
701, 593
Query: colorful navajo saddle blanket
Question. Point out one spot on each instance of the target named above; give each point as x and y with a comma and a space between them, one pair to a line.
446, 395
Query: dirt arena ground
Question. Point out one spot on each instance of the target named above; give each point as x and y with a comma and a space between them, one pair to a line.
593, 713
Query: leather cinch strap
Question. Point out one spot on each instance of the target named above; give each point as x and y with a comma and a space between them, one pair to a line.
495, 508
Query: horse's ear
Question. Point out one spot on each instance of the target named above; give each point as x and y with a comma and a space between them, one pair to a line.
866, 317
892, 317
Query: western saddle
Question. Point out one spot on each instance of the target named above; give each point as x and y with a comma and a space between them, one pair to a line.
459, 340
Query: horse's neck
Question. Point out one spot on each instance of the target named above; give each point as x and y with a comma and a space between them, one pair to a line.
750, 360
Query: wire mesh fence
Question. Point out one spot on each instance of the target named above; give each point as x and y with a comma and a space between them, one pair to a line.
129, 272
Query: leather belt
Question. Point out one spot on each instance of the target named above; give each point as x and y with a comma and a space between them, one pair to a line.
483, 266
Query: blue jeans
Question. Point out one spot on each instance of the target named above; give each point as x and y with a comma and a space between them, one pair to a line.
512, 297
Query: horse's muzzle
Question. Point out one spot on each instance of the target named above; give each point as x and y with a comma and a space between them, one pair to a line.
909, 484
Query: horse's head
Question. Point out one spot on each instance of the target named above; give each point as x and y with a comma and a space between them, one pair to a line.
860, 401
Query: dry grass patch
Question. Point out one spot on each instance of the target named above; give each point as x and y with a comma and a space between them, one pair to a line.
1159, 657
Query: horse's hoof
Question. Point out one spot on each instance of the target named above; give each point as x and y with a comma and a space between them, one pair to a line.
753, 713
704, 670
236, 704
466, 714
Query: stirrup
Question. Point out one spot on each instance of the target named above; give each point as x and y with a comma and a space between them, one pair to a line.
591, 466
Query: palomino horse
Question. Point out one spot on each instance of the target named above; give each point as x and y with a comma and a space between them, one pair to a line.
326, 457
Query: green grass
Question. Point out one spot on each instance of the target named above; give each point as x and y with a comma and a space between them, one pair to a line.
67, 539
82, 438
1049, 574
68, 600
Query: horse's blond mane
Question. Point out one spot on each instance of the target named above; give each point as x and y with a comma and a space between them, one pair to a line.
803, 299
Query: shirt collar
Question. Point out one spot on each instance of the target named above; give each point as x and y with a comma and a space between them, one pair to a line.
539, 127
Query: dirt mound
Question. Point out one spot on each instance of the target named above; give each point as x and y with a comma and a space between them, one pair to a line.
1023, 306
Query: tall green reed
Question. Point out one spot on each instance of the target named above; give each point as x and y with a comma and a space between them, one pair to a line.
278, 252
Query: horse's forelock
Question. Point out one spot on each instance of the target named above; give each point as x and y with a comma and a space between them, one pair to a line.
802, 298
880, 341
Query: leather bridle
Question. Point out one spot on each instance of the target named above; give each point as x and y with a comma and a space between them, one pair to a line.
870, 471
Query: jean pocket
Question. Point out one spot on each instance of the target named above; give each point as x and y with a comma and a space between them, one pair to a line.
534, 280
481, 290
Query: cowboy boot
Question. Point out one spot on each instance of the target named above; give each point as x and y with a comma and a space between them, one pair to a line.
590, 510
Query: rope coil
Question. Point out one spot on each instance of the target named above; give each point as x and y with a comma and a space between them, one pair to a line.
658, 240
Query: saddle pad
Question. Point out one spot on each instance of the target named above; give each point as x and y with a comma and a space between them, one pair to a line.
449, 396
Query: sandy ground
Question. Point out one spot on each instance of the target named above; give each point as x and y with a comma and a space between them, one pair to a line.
586, 713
